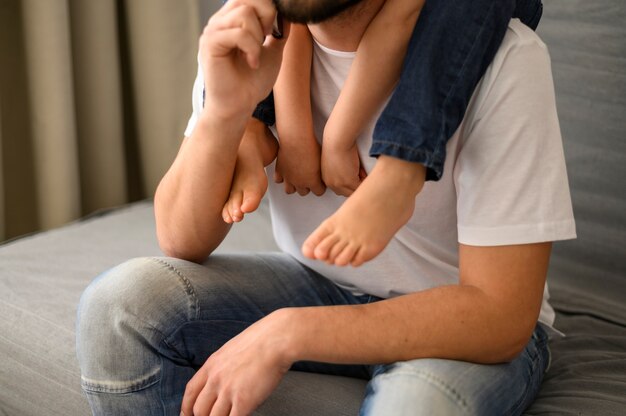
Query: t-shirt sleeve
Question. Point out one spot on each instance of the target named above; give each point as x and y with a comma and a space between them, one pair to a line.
510, 174
197, 98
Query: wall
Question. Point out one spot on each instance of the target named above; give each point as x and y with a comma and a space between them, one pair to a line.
207, 8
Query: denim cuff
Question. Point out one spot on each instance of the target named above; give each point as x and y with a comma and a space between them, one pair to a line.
529, 12
432, 160
265, 112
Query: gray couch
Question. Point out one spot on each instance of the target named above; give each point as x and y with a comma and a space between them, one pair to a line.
42, 276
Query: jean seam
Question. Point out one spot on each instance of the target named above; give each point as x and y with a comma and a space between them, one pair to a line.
435, 381
549, 364
144, 384
516, 408
424, 155
169, 340
454, 85
536, 17
161, 384
149, 381
419, 152
189, 290
463, 68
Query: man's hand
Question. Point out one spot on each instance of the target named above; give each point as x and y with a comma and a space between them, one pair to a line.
298, 167
237, 378
240, 62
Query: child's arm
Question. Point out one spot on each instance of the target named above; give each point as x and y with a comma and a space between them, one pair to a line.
377, 65
298, 161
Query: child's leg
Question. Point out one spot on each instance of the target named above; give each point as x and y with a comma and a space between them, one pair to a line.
257, 149
298, 160
450, 49
387, 197
368, 219
366, 88
297, 164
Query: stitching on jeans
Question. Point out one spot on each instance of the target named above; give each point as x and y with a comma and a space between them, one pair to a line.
435, 381
420, 152
460, 73
534, 361
431, 159
94, 386
188, 286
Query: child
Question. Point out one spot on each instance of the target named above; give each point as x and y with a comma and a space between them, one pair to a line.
367, 221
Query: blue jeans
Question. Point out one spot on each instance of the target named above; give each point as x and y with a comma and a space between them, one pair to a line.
146, 326
452, 45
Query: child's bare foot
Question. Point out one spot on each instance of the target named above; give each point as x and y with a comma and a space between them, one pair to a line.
370, 217
249, 186
258, 149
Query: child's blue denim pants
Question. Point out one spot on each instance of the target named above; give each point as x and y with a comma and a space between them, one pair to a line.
452, 45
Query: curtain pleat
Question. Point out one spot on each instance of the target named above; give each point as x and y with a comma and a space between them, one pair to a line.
94, 98
20, 202
51, 97
99, 107
2, 209
157, 78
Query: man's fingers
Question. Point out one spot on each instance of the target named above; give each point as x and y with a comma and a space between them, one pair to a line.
222, 407
243, 17
244, 24
273, 48
227, 40
205, 401
264, 10
192, 390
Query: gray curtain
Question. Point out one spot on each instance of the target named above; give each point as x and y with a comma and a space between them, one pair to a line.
94, 98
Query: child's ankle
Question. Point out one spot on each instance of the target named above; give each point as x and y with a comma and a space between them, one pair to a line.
408, 176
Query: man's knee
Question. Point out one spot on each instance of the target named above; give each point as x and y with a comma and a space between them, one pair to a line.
142, 297
137, 286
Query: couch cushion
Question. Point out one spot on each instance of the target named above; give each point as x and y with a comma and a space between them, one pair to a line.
586, 40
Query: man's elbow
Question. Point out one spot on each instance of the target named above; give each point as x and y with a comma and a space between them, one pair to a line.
173, 251
184, 250
515, 343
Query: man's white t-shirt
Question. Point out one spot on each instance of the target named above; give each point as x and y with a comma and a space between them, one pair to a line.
504, 178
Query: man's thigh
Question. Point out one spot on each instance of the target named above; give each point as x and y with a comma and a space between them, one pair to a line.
227, 293
188, 310
447, 387
146, 325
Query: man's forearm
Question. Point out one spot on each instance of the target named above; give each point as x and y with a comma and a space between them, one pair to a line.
487, 318
452, 322
191, 195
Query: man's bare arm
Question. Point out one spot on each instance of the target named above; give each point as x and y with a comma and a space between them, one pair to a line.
487, 318
189, 200
239, 66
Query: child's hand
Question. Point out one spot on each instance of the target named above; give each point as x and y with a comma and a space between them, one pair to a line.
298, 167
341, 168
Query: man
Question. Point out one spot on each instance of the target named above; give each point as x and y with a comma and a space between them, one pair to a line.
444, 321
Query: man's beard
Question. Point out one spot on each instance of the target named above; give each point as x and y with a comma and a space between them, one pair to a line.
312, 11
